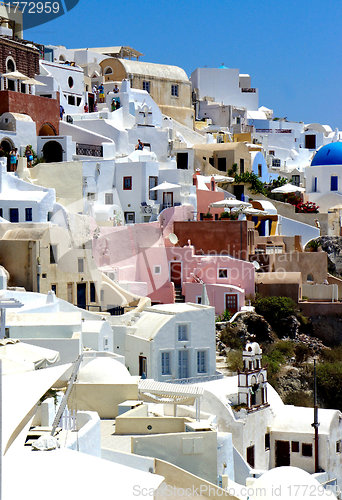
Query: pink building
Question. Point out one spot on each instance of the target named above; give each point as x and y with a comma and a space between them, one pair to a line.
142, 260
207, 193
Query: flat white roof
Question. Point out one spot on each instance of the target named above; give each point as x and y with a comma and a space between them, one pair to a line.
16, 195
177, 307
44, 319
299, 419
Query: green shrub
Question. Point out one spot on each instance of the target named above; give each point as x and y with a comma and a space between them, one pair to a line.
299, 398
224, 316
234, 360
276, 355
274, 309
329, 387
284, 347
332, 355
230, 337
302, 352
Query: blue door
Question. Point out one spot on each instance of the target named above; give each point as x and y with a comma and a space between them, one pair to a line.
334, 183
183, 364
81, 295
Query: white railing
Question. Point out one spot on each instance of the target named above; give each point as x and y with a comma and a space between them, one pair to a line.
68, 420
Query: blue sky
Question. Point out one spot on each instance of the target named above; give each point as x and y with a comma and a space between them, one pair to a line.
291, 49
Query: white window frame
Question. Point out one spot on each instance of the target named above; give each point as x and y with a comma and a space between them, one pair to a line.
222, 269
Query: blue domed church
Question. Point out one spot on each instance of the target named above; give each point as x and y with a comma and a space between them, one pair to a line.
324, 177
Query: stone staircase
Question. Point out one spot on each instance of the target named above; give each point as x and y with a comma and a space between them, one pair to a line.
221, 365
179, 298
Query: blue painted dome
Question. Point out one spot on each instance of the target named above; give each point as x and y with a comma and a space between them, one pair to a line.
330, 154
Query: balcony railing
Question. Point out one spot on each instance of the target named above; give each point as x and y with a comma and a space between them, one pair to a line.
89, 150
195, 380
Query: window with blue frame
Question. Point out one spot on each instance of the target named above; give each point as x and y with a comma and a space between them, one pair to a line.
314, 185
183, 334
201, 361
334, 183
166, 363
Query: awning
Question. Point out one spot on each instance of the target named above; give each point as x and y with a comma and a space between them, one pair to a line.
20, 394
15, 75
165, 186
24, 354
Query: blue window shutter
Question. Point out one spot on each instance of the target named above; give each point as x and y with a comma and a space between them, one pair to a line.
334, 183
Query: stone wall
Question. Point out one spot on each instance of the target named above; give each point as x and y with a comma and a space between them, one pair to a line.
42, 110
26, 58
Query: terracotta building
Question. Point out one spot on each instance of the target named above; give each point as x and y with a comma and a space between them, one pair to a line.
16, 94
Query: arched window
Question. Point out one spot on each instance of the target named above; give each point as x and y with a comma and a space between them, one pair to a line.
108, 71
309, 277
10, 65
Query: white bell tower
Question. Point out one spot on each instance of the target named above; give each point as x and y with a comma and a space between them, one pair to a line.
252, 387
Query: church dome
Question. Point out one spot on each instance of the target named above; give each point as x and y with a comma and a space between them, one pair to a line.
104, 370
330, 154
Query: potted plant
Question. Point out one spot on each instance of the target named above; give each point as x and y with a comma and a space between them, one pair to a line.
207, 216
225, 216
313, 246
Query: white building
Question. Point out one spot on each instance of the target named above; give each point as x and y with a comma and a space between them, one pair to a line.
266, 432
17, 130
64, 79
288, 145
21, 201
118, 188
226, 85
167, 342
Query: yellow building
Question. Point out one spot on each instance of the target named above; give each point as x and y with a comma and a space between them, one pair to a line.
220, 158
169, 86
51, 258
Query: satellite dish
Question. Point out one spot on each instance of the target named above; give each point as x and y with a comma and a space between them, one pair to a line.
173, 238
256, 265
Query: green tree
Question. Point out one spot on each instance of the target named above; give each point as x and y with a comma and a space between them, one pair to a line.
275, 309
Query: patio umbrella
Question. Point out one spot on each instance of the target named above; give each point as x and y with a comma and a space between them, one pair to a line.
15, 75
254, 211
33, 81
230, 204
222, 178
288, 188
165, 186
